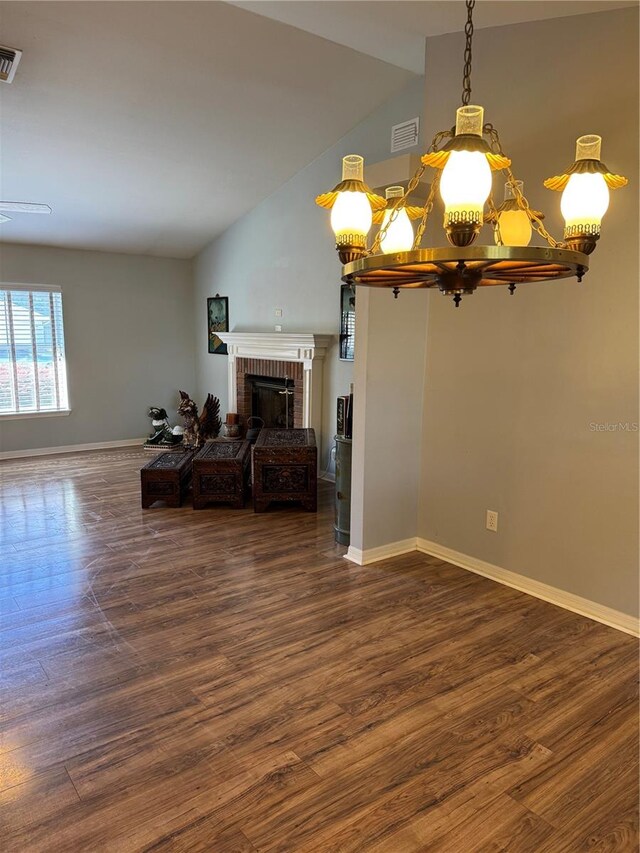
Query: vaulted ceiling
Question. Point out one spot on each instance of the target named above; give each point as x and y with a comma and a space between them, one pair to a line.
151, 126
395, 30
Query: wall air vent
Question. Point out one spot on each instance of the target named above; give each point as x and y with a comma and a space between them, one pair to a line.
9, 59
405, 135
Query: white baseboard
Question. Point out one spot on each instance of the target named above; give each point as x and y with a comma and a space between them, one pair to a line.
71, 448
384, 552
560, 597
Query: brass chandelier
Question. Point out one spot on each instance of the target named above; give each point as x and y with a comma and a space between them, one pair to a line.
463, 159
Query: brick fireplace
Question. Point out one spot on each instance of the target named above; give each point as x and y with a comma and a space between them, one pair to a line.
299, 356
246, 367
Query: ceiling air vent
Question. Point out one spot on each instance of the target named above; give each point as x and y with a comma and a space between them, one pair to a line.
9, 59
405, 135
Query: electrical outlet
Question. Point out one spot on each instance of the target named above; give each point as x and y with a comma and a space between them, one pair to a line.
278, 328
492, 520
278, 312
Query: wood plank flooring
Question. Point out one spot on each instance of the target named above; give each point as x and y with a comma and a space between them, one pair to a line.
222, 681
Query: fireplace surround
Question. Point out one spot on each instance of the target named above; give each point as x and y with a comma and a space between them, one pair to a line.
298, 357
272, 400
249, 369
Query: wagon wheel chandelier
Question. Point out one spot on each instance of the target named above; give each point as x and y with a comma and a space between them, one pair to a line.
463, 159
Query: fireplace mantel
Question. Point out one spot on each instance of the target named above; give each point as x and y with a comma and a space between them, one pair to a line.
306, 348
280, 346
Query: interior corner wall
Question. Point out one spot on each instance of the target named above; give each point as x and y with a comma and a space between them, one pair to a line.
389, 377
282, 255
128, 337
531, 400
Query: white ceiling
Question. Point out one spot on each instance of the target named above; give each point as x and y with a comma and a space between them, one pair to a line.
151, 126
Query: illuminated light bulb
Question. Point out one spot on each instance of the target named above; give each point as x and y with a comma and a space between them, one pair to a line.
399, 234
514, 226
584, 202
351, 215
465, 185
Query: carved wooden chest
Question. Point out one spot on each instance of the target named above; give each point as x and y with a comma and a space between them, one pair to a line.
285, 466
221, 473
166, 478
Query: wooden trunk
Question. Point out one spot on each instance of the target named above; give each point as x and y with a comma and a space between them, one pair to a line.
221, 473
166, 478
285, 464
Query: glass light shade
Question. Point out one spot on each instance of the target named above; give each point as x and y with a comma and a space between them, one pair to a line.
399, 235
515, 228
465, 182
469, 119
514, 225
588, 147
351, 215
584, 201
353, 168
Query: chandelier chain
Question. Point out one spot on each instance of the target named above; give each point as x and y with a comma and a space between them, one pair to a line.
495, 219
466, 77
435, 183
401, 200
536, 222
398, 204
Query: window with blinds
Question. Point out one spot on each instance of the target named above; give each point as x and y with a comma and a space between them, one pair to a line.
33, 373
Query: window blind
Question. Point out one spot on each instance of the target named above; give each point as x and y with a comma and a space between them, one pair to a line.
33, 372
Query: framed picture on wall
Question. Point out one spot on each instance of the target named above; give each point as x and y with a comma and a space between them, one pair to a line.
217, 321
347, 321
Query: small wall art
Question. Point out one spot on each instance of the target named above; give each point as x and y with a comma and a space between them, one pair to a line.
217, 321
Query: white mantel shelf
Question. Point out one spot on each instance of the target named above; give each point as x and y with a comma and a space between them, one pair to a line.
282, 346
306, 347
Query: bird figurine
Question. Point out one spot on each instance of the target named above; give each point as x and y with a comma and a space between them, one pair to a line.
203, 427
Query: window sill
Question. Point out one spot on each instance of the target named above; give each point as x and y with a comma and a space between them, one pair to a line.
62, 413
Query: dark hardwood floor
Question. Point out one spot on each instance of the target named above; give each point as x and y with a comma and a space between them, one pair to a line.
222, 681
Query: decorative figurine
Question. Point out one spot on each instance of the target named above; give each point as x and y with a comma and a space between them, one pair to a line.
197, 430
163, 434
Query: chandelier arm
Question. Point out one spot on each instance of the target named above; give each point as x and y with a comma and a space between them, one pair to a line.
435, 183
466, 77
523, 204
437, 139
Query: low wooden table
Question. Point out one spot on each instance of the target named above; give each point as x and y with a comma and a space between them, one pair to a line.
285, 468
166, 478
221, 473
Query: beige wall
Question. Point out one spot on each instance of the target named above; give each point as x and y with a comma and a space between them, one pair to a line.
513, 384
388, 379
282, 255
129, 342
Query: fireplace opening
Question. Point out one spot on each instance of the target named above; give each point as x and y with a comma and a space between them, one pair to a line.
272, 400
